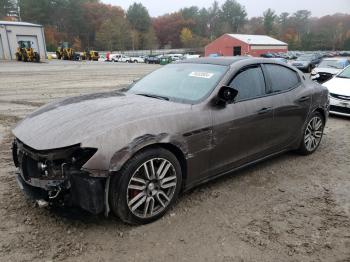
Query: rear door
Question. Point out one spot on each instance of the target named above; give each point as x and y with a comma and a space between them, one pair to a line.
241, 131
291, 102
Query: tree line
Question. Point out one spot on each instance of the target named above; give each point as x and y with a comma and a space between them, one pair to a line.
91, 24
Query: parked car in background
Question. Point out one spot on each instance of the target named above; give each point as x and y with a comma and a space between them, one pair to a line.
328, 68
188, 122
215, 55
153, 59
306, 62
175, 57
124, 59
268, 55
339, 90
280, 59
114, 57
344, 53
136, 59
189, 56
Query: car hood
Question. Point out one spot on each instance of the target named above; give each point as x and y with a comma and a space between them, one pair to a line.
73, 120
337, 85
328, 70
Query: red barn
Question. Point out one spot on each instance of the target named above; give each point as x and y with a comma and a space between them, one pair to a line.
239, 44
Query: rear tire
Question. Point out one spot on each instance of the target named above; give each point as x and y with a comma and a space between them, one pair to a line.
312, 134
146, 187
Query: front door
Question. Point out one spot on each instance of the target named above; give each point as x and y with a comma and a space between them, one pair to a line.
241, 131
237, 51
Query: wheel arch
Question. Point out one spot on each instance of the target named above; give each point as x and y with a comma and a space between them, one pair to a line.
121, 157
321, 111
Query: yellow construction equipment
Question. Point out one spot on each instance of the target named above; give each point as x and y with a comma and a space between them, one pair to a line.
26, 53
90, 55
65, 52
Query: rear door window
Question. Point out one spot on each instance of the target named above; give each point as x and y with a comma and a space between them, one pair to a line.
282, 78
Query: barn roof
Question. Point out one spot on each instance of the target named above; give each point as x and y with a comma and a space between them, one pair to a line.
257, 39
18, 23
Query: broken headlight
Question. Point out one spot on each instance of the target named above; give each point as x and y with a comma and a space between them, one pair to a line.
81, 156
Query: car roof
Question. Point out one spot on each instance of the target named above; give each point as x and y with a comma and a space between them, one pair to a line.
336, 59
226, 61
231, 60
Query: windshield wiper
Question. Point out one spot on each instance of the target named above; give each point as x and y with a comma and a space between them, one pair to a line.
155, 96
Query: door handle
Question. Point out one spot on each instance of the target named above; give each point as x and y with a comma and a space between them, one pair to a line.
304, 98
264, 110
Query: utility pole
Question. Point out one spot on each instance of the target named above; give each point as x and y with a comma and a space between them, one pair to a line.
13, 10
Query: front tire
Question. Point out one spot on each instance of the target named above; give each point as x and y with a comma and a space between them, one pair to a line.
36, 57
309, 69
312, 134
146, 187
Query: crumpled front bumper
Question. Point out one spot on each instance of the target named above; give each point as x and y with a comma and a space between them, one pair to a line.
85, 192
71, 187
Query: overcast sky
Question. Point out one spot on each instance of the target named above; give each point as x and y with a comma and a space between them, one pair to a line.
253, 7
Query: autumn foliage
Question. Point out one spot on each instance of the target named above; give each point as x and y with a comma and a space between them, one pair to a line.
91, 24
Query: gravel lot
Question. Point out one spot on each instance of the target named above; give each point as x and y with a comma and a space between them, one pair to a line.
290, 208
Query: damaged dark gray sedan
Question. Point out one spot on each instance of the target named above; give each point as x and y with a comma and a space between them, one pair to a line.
134, 151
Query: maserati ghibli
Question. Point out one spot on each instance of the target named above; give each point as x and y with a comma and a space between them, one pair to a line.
132, 152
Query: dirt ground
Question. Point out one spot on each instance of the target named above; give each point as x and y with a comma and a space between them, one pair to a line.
290, 208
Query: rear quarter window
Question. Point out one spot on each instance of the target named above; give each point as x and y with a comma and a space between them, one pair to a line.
282, 78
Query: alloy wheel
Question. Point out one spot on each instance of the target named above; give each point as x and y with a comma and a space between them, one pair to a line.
151, 187
313, 133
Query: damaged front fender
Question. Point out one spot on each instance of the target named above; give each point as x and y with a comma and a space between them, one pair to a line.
121, 156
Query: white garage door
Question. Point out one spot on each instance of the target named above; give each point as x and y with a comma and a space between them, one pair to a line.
1, 50
32, 39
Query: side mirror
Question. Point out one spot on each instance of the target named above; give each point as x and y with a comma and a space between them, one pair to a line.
227, 94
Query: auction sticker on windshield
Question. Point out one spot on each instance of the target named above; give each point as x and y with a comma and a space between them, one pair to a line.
201, 74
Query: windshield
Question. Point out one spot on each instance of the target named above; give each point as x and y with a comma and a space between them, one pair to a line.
332, 64
187, 83
304, 58
345, 73
24, 44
